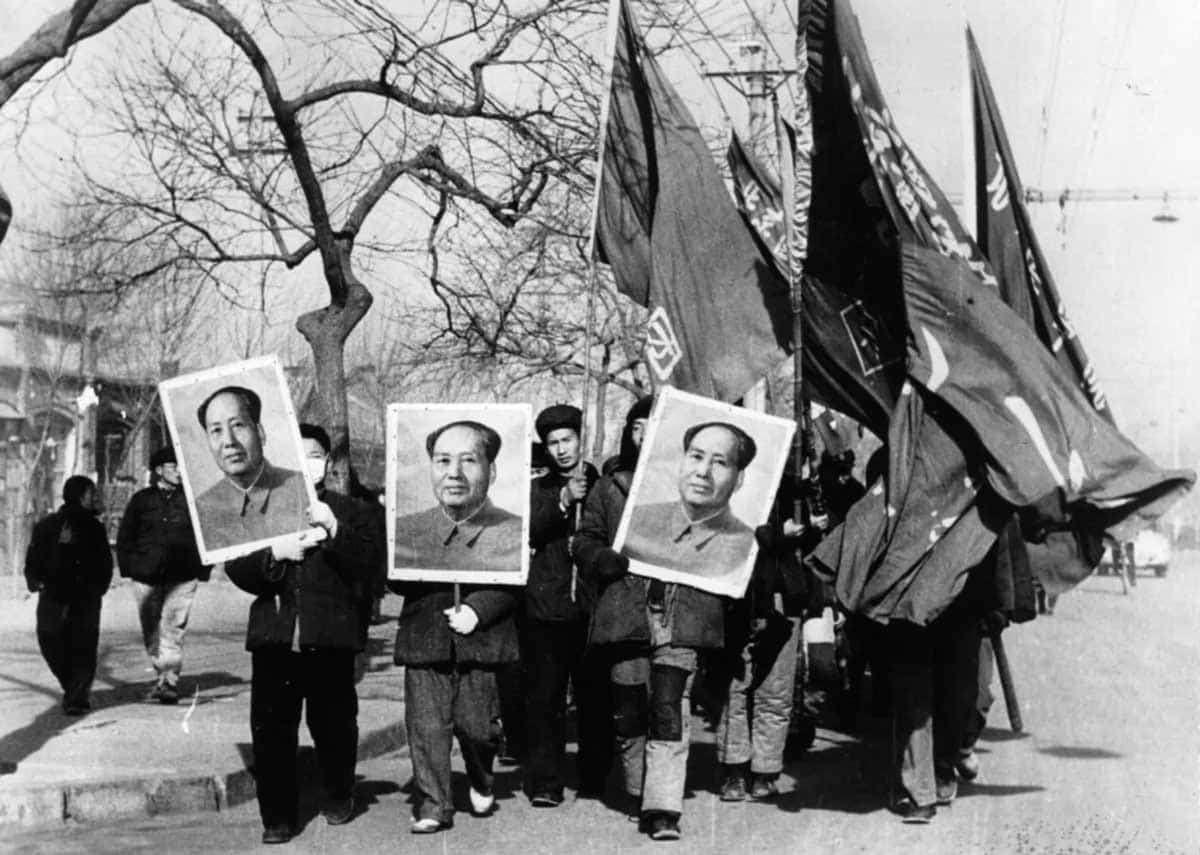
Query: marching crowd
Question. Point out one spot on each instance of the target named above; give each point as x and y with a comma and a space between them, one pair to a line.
499, 667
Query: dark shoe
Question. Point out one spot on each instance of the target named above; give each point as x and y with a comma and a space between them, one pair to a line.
155, 693
74, 709
340, 813
590, 790
277, 834
763, 787
733, 788
168, 694
661, 825
546, 799
430, 825
967, 766
912, 814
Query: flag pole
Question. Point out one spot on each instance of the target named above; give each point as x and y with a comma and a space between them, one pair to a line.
795, 179
614, 17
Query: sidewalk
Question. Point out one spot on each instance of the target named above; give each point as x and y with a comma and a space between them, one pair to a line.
128, 758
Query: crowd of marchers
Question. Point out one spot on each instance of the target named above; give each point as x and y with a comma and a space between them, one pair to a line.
499, 667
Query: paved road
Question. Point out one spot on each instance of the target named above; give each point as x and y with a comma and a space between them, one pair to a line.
1110, 764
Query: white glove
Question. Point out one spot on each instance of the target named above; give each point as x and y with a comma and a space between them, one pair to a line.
791, 528
463, 619
291, 549
321, 514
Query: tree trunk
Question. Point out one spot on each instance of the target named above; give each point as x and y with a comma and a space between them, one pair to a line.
326, 331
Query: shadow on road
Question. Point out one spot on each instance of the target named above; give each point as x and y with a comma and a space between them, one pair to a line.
977, 789
19, 744
1080, 752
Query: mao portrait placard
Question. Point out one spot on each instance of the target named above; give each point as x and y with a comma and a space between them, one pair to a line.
237, 443
458, 492
706, 477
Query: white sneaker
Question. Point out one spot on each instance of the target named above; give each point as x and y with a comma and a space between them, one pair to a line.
481, 805
427, 825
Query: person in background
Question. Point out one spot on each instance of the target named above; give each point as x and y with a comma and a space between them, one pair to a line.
156, 549
69, 565
307, 623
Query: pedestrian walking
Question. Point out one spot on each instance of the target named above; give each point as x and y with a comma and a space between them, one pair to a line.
157, 551
555, 623
654, 634
69, 565
306, 625
454, 643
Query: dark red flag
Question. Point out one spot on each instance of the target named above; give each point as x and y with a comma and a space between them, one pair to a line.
982, 388
666, 225
853, 361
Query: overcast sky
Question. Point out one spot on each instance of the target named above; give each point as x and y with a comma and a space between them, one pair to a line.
1097, 95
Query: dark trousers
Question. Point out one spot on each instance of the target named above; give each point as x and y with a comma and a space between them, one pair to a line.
934, 677
984, 699
68, 633
441, 702
556, 654
323, 682
510, 680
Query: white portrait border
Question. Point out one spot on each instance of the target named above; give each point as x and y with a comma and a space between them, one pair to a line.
730, 584
463, 410
231, 371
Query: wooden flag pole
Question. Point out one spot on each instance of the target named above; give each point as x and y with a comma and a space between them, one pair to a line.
614, 17
795, 176
1006, 683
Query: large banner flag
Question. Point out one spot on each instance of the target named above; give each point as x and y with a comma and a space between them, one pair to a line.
1042, 436
665, 223
1006, 237
853, 359
976, 392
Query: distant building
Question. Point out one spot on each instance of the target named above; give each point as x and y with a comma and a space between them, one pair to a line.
60, 416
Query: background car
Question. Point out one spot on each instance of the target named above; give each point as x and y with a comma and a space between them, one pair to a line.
1152, 550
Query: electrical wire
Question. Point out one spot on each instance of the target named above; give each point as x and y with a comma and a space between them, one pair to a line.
1052, 86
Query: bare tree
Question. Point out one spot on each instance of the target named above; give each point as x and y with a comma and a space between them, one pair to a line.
326, 132
390, 118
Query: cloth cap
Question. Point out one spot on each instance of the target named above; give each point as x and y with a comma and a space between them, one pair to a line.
558, 416
164, 455
641, 409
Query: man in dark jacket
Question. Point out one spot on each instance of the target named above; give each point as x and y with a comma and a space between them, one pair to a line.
156, 549
306, 626
655, 632
69, 565
452, 652
555, 625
